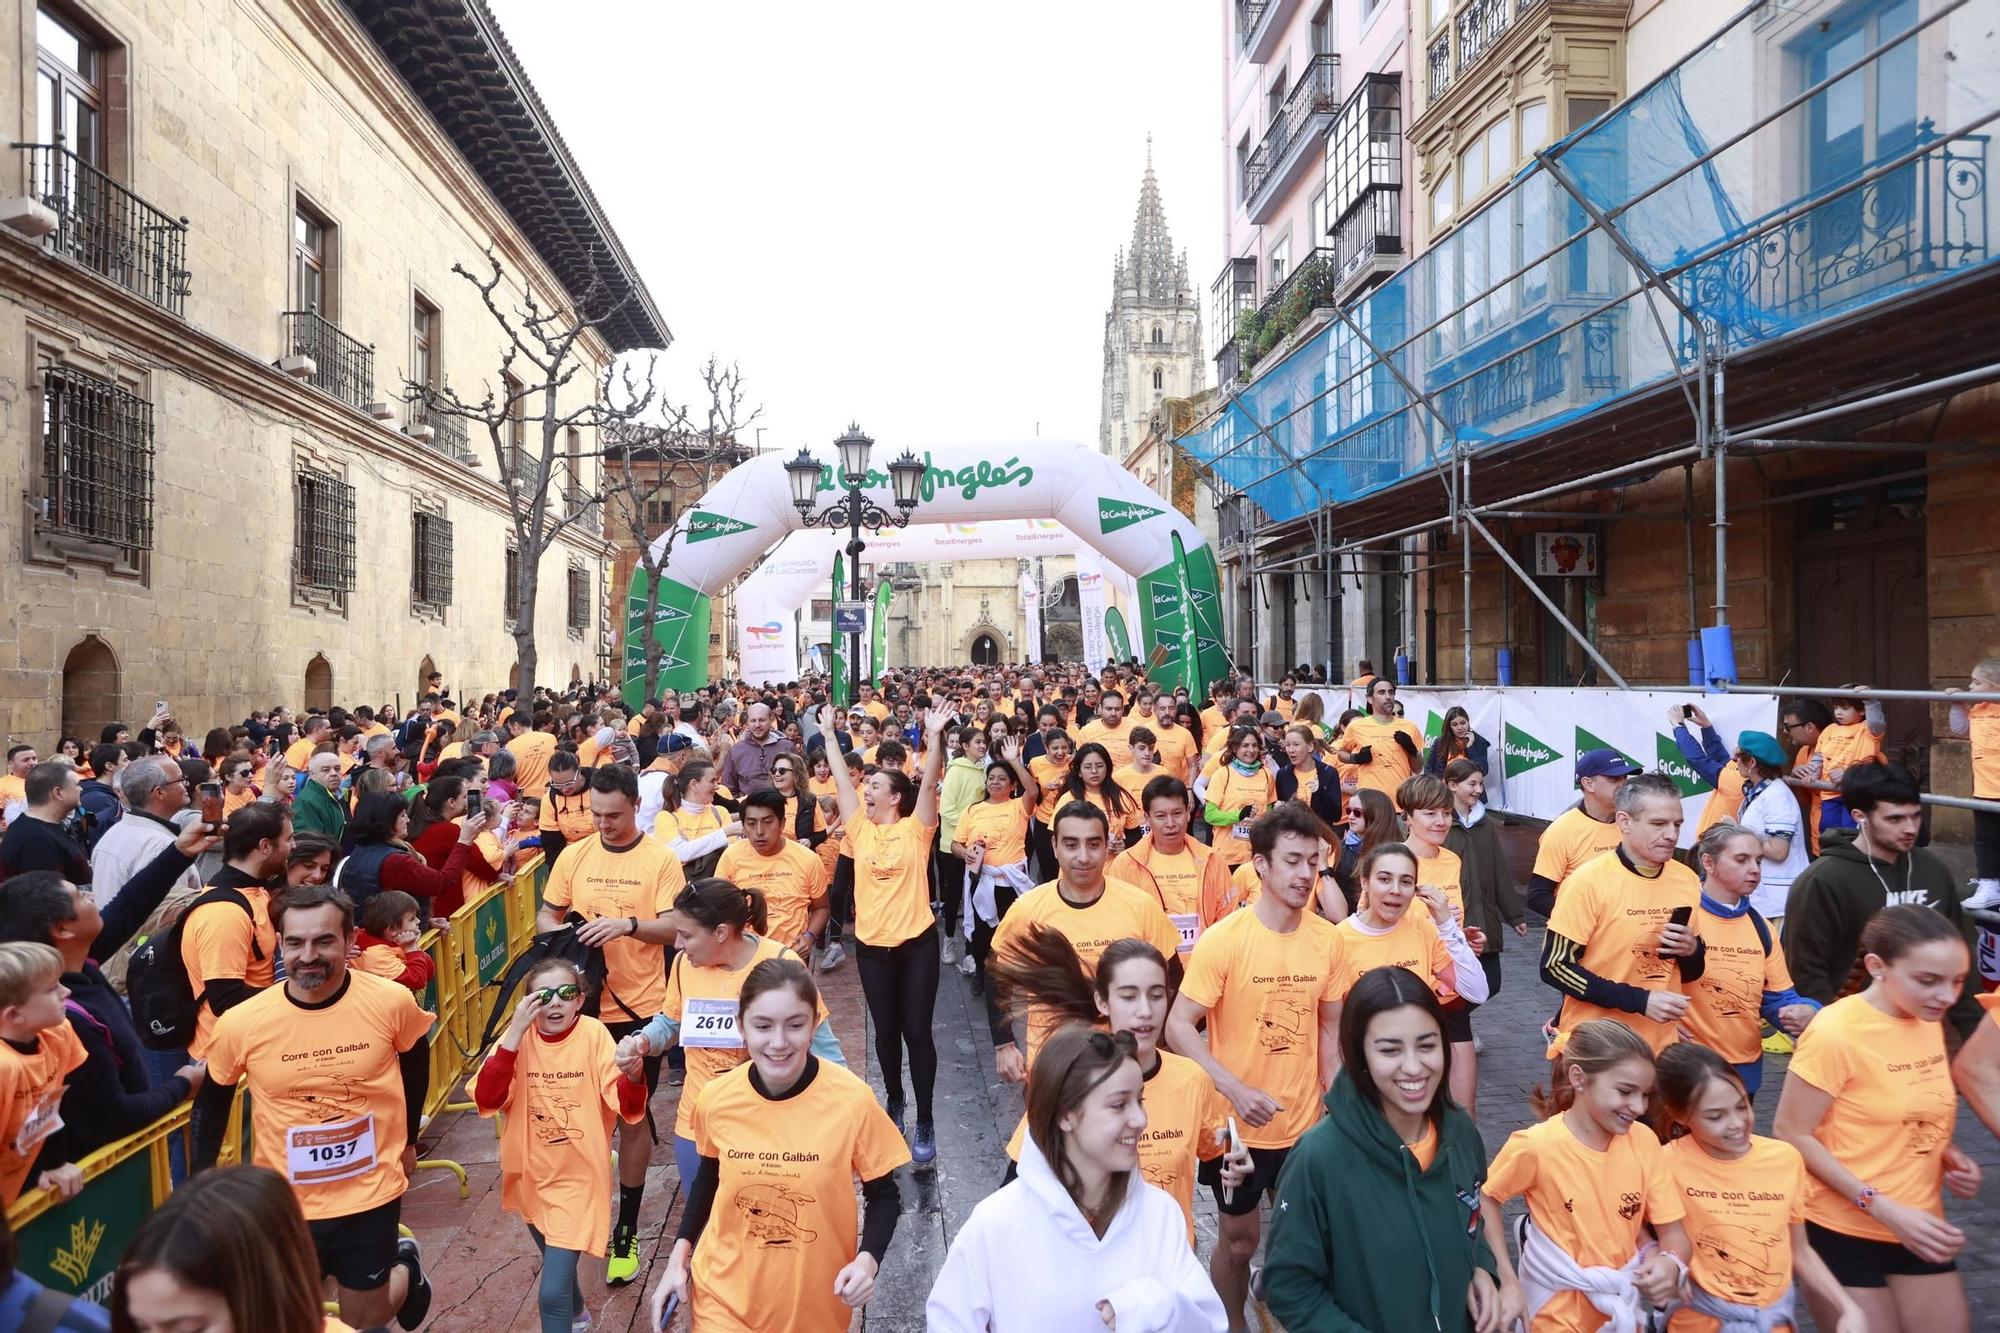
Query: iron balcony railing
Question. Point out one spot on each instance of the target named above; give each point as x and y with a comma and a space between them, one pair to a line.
108, 229
448, 433
1233, 293
1311, 102
341, 366
1438, 65
1476, 27
1249, 13
1373, 230
1307, 288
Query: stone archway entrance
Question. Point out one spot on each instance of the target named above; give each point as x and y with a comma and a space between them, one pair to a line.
89, 690
984, 648
319, 683
425, 669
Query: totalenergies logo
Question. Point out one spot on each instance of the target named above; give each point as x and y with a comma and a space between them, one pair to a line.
967, 529
765, 633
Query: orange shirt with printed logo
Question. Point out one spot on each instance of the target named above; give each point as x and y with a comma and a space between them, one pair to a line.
785, 1220
1725, 1005
1230, 790
1740, 1217
326, 1089
791, 882
638, 881
1413, 942
1441, 871
31, 1088
892, 866
703, 1001
1616, 916
216, 941
1892, 1112
1003, 824
531, 751
1592, 1204
1117, 741
1262, 990
1122, 911
556, 1135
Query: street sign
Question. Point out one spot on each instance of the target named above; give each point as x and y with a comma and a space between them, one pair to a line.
850, 618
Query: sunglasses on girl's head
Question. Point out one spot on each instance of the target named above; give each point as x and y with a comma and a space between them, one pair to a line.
569, 990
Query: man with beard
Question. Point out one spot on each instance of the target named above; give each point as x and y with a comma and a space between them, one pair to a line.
336, 1066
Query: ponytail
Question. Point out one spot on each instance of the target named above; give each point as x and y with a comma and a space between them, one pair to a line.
1594, 1046
714, 902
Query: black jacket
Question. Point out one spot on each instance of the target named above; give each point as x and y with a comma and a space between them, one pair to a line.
101, 804
111, 1094
1326, 798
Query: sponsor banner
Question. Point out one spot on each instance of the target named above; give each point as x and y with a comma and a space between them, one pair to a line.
767, 645
878, 633
74, 1247
1031, 610
1090, 596
1114, 630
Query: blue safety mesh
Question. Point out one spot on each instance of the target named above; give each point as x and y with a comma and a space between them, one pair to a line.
1807, 160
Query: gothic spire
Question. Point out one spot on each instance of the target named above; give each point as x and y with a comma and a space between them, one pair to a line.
1151, 258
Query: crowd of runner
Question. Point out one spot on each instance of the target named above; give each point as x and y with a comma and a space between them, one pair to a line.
1234, 943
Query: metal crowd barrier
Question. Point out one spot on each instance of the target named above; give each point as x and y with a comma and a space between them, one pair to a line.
74, 1247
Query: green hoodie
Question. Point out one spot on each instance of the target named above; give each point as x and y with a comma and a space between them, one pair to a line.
964, 783
1361, 1240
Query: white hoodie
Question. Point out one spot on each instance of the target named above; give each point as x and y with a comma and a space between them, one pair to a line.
1026, 1261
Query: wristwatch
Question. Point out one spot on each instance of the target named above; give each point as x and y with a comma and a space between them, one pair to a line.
633, 921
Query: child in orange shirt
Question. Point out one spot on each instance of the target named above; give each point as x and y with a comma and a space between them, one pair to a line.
39, 1051
555, 1154
390, 923
1854, 738
1746, 1204
1593, 1187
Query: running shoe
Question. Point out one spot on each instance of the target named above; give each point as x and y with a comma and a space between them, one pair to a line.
417, 1301
949, 955
923, 1148
967, 965
1985, 896
896, 1112
580, 1324
832, 956
623, 1265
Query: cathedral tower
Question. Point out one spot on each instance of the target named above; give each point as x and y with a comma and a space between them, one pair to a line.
1152, 333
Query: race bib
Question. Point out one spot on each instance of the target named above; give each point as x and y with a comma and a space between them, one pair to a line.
320, 1154
44, 1119
711, 1025
1189, 926
1241, 831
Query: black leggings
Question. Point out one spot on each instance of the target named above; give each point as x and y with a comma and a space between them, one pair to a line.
1042, 849
949, 871
840, 897
901, 982
1986, 844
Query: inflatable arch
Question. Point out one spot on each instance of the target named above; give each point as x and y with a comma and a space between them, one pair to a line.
1103, 508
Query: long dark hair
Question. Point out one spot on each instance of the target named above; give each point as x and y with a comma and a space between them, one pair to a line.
714, 902
1069, 1067
1040, 968
236, 1231
428, 809
375, 817
1114, 796
1380, 990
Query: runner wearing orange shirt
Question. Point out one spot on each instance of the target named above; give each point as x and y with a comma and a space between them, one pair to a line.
788, 874
337, 1074
892, 824
992, 840
1110, 728
1583, 832
1266, 980
1190, 880
1383, 747
622, 884
564, 1092
531, 748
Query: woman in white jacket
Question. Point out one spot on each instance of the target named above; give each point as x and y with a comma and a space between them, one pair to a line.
1108, 1250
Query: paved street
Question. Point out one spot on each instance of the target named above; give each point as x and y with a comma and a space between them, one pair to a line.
483, 1264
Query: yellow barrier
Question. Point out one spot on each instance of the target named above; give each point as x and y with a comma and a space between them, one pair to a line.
74, 1247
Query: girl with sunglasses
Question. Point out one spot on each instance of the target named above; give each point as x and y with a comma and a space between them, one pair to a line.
562, 1088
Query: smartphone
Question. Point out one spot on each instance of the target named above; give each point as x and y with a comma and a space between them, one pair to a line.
672, 1308
1680, 916
1687, 710
978, 858
211, 803
1235, 1146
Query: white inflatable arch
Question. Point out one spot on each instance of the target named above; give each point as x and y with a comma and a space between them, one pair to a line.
1099, 506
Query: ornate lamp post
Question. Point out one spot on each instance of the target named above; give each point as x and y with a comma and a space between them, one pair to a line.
855, 510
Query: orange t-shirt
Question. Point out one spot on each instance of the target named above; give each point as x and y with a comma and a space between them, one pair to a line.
1571, 839
1616, 917
1120, 912
1843, 745
1231, 790
326, 1089
215, 946
1388, 764
1442, 871
1592, 1204
1185, 1117
31, 1089
703, 1000
1983, 729
1179, 882
1133, 783
892, 868
1262, 990
1117, 741
1004, 825
1892, 1113
553, 1153
1740, 1217
1051, 777
791, 882
1176, 749
531, 751
640, 881
785, 1217
298, 753
567, 813
1725, 1007
1413, 942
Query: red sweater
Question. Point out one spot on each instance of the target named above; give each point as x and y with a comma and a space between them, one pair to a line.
417, 964
489, 1090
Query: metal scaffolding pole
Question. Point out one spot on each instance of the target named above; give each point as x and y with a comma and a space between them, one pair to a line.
1548, 605
1721, 477
1852, 692
1465, 566
1928, 389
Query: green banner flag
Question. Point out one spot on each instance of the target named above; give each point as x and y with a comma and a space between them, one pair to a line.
1190, 654
1114, 632
839, 659
878, 633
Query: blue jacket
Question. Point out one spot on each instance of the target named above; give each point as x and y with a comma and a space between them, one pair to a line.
101, 804
1326, 798
1707, 758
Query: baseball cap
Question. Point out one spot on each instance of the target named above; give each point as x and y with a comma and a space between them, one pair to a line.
1272, 718
1605, 763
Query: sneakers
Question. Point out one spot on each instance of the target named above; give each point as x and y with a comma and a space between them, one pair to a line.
580, 1324
623, 1264
417, 1301
967, 966
1778, 1043
1985, 896
832, 956
923, 1148
950, 952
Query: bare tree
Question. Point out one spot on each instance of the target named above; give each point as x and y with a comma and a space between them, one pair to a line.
687, 451
540, 363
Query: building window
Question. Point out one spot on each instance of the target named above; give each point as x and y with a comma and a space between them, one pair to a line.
1158, 335
1440, 10
69, 88
519, 464
312, 260
822, 608
573, 469
659, 515
1444, 199
430, 562
1243, 170
1274, 98
1159, 378
423, 342
510, 595
1583, 110
1280, 261
97, 462
1534, 127
1322, 30
579, 600
322, 533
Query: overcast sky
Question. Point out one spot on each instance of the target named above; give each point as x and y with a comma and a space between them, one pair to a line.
902, 213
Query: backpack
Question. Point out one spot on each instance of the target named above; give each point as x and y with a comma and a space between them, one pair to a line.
562, 945
164, 1005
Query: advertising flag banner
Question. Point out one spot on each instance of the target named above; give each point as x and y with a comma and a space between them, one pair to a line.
1090, 596
1031, 612
840, 699
1114, 631
878, 633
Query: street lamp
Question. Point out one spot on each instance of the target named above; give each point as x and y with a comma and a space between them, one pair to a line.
855, 510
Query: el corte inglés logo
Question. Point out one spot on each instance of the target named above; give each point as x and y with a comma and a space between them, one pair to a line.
1523, 752
1115, 514
704, 526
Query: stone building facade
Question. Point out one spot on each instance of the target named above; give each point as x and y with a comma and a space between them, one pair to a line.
1152, 332
230, 251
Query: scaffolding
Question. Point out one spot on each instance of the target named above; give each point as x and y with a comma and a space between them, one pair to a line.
1719, 266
